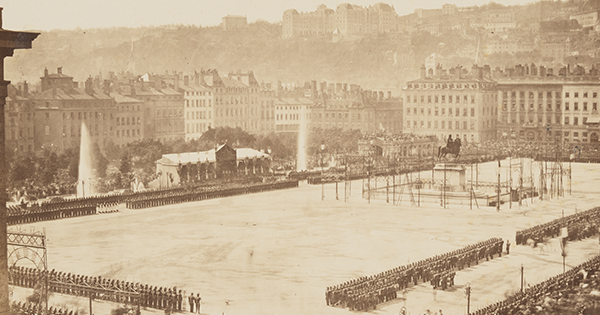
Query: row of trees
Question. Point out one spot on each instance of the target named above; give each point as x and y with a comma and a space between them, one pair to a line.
46, 172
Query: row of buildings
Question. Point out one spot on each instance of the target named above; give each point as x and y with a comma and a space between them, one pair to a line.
124, 108
525, 102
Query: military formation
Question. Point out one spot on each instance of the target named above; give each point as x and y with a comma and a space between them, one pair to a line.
168, 197
108, 207
29, 308
99, 288
364, 293
579, 226
19, 214
528, 302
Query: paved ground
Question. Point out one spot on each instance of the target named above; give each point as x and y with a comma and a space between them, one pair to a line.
276, 252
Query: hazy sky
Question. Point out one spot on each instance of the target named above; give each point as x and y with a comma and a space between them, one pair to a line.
70, 14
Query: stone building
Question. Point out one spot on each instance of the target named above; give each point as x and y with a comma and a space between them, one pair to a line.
543, 105
62, 107
452, 102
19, 113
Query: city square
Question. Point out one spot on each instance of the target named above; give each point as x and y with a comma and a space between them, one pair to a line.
276, 252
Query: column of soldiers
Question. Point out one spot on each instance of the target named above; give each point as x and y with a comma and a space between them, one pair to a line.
20, 215
29, 308
366, 292
162, 197
99, 288
580, 225
560, 285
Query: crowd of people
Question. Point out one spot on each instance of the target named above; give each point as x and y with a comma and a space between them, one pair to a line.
108, 207
364, 293
543, 298
161, 198
99, 288
580, 225
30, 308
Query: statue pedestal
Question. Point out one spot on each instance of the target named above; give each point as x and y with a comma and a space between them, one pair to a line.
453, 173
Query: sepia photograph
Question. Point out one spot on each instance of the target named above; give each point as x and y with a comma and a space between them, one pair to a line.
312, 157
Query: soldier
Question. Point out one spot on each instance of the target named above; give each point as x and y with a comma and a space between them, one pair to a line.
198, 300
507, 247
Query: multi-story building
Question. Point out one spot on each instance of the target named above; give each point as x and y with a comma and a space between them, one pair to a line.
498, 21
291, 113
62, 108
510, 46
452, 103
198, 112
236, 99
267, 109
449, 9
129, 120
19, 113
587, 14
234, 22
163, 107
352, 108
347, 19
543, 105
307, 23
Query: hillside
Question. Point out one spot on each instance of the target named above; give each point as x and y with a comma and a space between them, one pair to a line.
188, 48
374, 62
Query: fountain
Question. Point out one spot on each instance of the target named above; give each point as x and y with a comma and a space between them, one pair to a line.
84, 180
301, 156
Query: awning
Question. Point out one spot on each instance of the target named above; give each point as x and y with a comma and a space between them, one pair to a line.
593, 120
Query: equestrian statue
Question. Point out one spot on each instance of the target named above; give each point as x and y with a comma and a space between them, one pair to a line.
452, 147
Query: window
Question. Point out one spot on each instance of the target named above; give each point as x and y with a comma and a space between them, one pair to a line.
566, 105
443, 98
464, 125
464, 112
594, 106
584, 120
436, 98
595, 94
443, 124
585, 106
566, 94
575, 106
585, 94
472, 112
576, 94
566, 120
575, 120
449, 98
443, 111
428, 98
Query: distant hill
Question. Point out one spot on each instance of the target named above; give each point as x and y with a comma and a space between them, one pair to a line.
187, 48
375, 62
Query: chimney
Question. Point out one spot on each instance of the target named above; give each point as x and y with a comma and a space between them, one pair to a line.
176, 82
423, 72
106, 87
25, 85
59, 70
313, 89
380, 96
389, 95
45, 72
186, 80
89, 89
542, 71
533, 70
487, 72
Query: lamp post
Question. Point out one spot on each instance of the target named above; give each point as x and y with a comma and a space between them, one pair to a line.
468, 293
321, 153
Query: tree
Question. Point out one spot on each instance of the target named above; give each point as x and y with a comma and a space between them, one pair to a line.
99, 162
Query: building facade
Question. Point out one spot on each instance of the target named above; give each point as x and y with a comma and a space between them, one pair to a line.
452, 103
129, 120
542, 105
347, 19
62, 109
19, 114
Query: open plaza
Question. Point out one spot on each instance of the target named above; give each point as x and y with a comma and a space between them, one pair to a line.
276, 252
